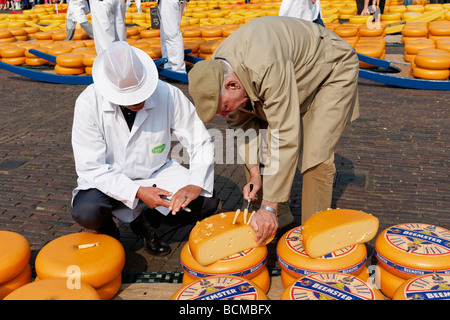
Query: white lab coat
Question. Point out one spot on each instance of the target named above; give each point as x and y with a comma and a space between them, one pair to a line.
117, 162
108, 22
302, 9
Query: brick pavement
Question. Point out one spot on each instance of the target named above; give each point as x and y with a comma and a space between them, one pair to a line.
392, 162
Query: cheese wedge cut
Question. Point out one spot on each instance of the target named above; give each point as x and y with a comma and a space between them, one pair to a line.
334, 229
216, 237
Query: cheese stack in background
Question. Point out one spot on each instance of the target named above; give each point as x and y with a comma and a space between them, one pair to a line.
95, 259
15, 270
224, 244
295, 262
407, 250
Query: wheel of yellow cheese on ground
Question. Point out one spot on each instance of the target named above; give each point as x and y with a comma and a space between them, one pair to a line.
414, 46
371, 51
100, 258
55, 51
247, 263
35, 61
293, 258
413, 249
210, 46
443, 46
330, 286
89, 59
15, 255
153, 52
150, 33
70, 71
70, 60
346, 31
430, 74
415, 32
386, 281
220, 288
22, 279
370, 32
15, 61
12, 52
109, 290
53, 289
433, 60
425, 287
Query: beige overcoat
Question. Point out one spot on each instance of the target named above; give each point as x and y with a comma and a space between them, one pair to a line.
301, 80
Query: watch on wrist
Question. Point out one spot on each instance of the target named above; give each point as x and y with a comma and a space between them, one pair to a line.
269, 209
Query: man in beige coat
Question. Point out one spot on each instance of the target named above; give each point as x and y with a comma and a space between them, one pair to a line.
298, 80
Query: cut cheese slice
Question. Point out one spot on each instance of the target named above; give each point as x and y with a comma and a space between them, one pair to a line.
334, 229
331, 286
216, 237
53, 289
425, 287
220, 288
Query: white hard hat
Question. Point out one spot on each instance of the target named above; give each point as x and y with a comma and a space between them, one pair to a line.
124, 75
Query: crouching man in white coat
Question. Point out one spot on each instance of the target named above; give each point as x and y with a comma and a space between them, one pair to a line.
121, 136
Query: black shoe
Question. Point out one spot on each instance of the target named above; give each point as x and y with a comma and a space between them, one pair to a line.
152, 243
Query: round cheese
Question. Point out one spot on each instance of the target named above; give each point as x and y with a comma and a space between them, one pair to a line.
433, 60
386, 281
89, 59
411, 47
69, 70
413, 249
12, 52
217, 237
55, 51
22, 279
70, 60
331, 230
344, 31
247, 263
220, 288
425, 287
330, 286
150, 33
100, 258
210, 46
431, 74
15, 61
293, 258
53, 289
15, 253
109, 290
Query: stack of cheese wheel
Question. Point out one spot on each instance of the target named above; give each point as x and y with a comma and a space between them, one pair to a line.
88, 62
295, 262
13, 55
391, 17
97, 258
412, 46
432, 64
207, 49
54, 289
425, 287
443, 44
439, 29
347, 12
371, 48
414, 30
249, 264
349, 32
32, 60
70, 63
411, 249
19, 33
15, 270
372, 31
331, 286
6, 36
224, 287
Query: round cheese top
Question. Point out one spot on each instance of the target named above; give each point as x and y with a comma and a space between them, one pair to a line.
15, 254
220, 288
414, 249
53, 289
426, 287
97, 258
246, 263
330, 286
292, 256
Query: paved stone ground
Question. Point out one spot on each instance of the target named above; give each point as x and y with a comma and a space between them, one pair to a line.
392, 162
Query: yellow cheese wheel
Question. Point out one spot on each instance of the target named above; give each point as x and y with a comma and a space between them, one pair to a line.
39, 48
413, 249
150, 33
15, 254
69, 70
386, 281
85, 50
88, 70
433, 60
153, 52
18, 31
59, 50
5, 34
109, 290
295, 261
70, 60
15, 61
430, 74
89, 59
346, 31
42, 35
99, 264
425, 287
220, 288
445, 45
440, 29
411, 47
210, 46
415, 32
334, 229
22, 279
7, 40
53, 289
211, 33
35, 61
12, 52
217, 237
370, 50
194, 46
370, 32
192, 33
245, 264
330, 286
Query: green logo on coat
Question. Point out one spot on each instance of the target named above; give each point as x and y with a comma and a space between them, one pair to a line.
159, 149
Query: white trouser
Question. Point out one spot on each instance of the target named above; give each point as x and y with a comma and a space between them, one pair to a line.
108, 22
172, 47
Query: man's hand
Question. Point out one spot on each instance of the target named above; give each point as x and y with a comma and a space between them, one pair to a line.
151, 196
265, 225
183, 197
